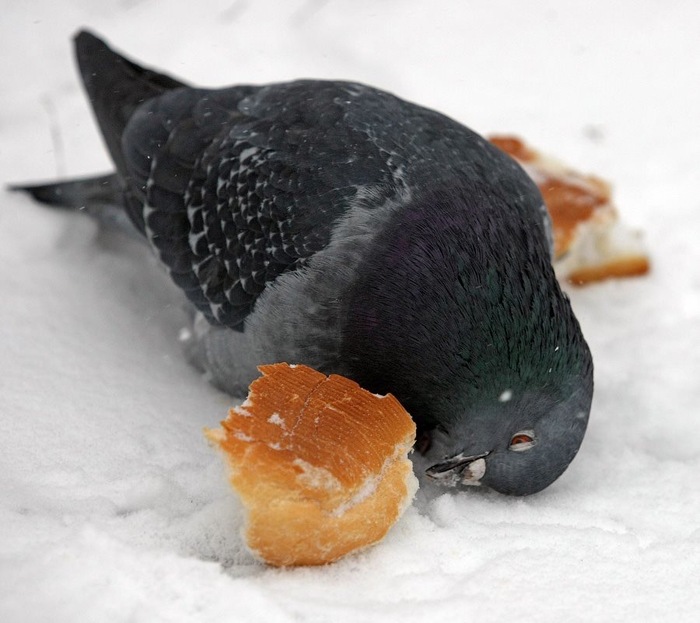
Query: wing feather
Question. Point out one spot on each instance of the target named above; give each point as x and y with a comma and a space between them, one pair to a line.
243, 184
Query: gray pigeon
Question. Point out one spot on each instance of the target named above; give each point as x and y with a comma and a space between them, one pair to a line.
333, 224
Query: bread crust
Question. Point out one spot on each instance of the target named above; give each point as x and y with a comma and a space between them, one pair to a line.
319, 463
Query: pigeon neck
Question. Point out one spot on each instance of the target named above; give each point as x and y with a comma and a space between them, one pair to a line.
457, 291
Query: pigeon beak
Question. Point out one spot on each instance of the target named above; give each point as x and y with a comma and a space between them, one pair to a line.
459, 470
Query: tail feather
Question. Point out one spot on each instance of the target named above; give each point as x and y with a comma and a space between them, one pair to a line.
102, 190
115, 86
102, 197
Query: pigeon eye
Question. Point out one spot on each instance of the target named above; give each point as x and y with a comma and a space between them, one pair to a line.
524, 440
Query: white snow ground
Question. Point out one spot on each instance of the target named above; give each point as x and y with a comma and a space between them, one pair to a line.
113, 507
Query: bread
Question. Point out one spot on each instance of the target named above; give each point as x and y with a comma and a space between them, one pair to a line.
590, 244
319, 463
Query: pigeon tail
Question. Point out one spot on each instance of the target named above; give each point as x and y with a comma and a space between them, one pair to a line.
116, 86
100, 196
101, 190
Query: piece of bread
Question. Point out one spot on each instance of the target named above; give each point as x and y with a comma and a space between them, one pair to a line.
319, 463
590, 244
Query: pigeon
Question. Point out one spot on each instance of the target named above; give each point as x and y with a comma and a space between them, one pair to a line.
333, 224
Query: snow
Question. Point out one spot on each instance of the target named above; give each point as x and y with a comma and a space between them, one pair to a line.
112, 505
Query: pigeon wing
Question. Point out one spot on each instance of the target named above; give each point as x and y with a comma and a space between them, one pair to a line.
237, 186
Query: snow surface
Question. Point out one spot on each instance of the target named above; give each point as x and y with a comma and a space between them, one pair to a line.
113, 507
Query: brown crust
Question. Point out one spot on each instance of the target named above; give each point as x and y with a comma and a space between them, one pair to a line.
514, 147
319, 463
569, 205
623, 267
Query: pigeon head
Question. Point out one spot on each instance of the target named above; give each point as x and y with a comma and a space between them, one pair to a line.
517, 445
458, 313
